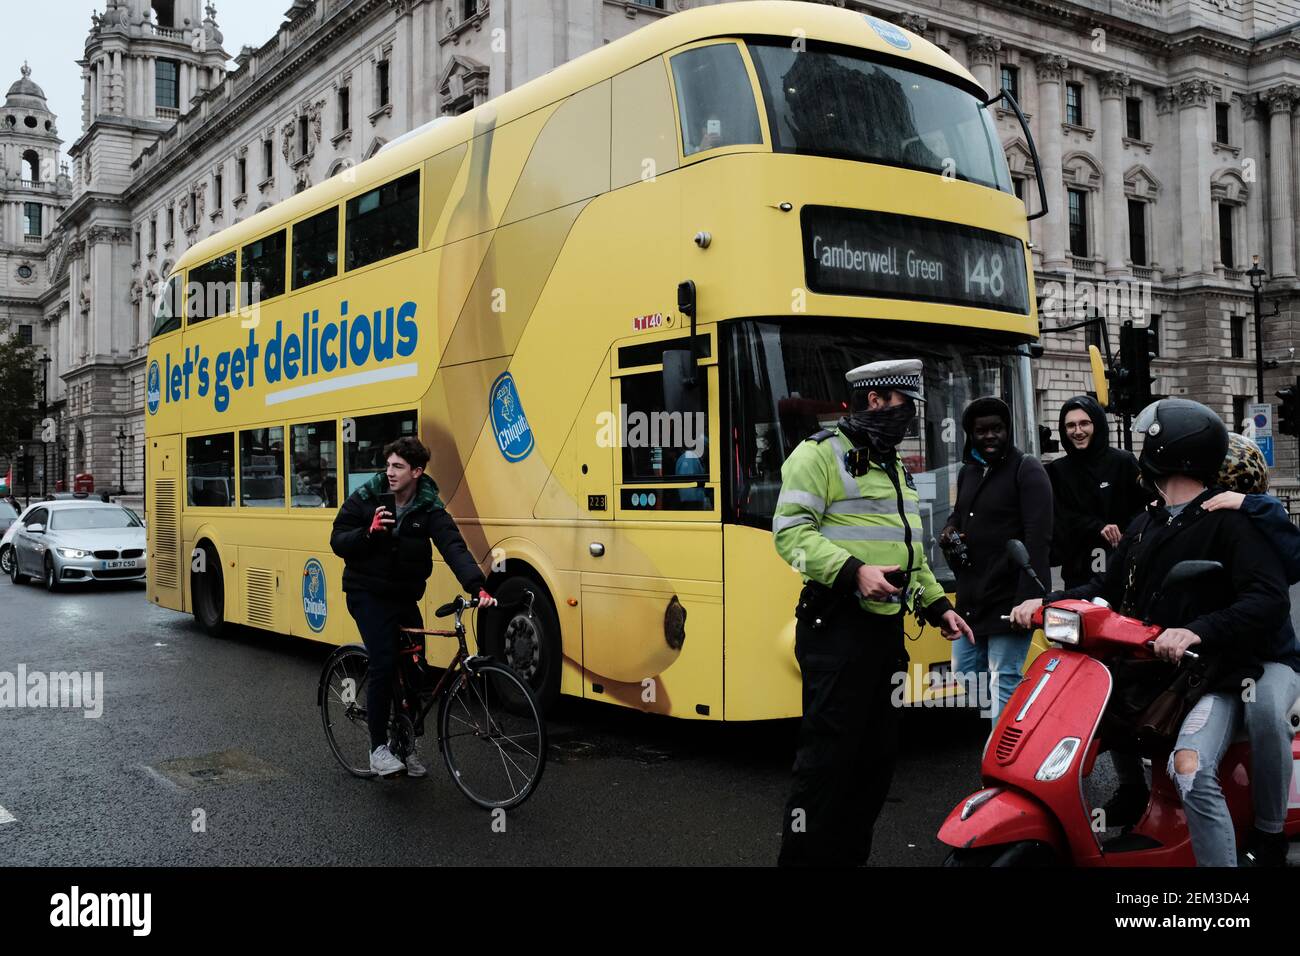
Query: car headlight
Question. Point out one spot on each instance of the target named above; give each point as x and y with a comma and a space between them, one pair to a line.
1058, 761
73, 552
1061, 626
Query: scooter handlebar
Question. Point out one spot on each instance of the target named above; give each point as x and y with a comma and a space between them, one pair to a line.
1191, 655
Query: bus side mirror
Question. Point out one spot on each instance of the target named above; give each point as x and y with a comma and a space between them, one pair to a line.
682, 392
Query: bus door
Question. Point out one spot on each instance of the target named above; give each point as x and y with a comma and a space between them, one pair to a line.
652, 579
166, 569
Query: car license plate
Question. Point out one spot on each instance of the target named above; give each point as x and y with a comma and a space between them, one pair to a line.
109, 565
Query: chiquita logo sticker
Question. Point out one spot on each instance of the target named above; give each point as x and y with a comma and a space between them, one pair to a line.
513, 434
315, 604
889, 33
153, 388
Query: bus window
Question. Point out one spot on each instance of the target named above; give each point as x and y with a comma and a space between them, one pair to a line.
715, 99
262, 269
663, 444
827, 101
261, 467
364, 441
167, 307
316, 248
384, 221
211, 289
210, 470
315, 465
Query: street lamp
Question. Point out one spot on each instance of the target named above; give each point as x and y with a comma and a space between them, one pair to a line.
1256, 275
45, 393
121, 438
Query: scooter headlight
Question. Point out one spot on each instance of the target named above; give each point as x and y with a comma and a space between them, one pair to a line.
1061, 626
1058, 761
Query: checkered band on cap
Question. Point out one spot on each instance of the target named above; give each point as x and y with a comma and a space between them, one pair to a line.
912, 382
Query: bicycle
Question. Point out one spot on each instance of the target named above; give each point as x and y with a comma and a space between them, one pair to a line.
490, 731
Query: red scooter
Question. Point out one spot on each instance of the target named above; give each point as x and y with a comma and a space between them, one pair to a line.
1032, 810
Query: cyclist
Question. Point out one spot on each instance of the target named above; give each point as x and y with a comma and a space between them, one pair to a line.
387, 560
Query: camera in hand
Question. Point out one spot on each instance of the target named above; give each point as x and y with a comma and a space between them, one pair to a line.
956, 551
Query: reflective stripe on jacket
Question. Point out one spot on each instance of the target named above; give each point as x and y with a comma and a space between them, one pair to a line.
825, 516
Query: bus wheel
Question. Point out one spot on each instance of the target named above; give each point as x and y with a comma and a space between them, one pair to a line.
528, 643
208, 588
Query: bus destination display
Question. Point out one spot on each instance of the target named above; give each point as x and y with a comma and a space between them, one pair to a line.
862, 252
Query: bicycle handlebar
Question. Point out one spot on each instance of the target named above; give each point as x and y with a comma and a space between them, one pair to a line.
461, 604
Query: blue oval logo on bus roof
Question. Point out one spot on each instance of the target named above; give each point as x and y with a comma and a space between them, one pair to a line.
888, 32
513, 433
315, 595
153, 388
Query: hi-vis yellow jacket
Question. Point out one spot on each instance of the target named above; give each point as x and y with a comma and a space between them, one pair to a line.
828, 523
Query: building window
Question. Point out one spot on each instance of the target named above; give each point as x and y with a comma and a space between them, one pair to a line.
1221, 123
167, 84
171, 223
32, 218
1078, 222
1239, 403
138, 245
218, 191
268, 158
345, 109
153, 234
303, 135
381, 80
1133, 113
1157, 334
24, 335
1137, 232
468, 9
1238, 336
1018, 184
241, 176
194, 208
165, 11
1011, 80
1074, 104
1092, 336
1226, 244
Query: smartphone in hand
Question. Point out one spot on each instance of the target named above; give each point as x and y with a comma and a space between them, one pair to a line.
388, 501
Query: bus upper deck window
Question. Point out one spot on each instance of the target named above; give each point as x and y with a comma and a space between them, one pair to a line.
316, 248
383, 222
263, 269
167, 307
211, 289
715, 99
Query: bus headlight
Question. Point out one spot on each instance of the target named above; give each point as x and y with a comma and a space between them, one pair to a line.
1061, 626
1058, 761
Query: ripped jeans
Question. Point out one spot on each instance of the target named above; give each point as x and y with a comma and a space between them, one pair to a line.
1207, 731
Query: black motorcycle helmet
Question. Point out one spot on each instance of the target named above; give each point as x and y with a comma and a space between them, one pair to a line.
1181, 437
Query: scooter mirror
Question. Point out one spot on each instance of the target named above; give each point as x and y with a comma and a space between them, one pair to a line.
1185, 572
1018, 553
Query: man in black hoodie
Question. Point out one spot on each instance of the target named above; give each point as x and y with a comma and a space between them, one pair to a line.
387, 560
1096, 492
1002, 493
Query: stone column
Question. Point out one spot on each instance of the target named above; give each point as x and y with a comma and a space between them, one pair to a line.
1254, 116
151, 87
118, 104
1197, 209
1114, 87
1281, 213
87, 107
1049, 68
982, 57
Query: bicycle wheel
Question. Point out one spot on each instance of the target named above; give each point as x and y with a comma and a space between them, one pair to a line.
343, 708
493, 753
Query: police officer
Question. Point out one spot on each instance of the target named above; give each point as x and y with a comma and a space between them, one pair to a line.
848, 519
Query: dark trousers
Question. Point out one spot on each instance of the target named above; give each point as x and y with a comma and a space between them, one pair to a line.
848, 739
378, 621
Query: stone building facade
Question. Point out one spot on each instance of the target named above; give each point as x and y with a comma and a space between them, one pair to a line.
1164, 131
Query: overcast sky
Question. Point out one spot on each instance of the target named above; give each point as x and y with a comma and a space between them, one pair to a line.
52, 37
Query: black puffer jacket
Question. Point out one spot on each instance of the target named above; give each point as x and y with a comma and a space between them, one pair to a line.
395, 564
1092, 488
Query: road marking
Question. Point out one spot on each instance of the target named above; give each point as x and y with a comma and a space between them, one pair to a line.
6, 816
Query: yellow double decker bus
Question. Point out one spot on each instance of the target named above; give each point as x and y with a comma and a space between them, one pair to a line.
611, 302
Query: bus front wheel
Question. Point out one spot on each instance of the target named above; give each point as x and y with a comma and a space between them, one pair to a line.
527, 643
208, 588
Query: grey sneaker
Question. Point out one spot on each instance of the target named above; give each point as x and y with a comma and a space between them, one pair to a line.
414, 768
383, 762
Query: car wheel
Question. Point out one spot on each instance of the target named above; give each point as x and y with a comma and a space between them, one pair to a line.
16, 576
6, 561
51, 576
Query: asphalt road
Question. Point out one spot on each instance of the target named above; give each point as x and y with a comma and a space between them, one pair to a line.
620, 787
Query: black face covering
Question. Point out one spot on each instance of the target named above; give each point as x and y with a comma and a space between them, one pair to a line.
882, 429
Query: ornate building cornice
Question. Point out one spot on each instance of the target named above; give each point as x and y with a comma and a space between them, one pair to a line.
1050, 67
1114, 84
982, 48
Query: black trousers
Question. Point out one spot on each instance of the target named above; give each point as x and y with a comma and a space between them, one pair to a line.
378, 621
848, 739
